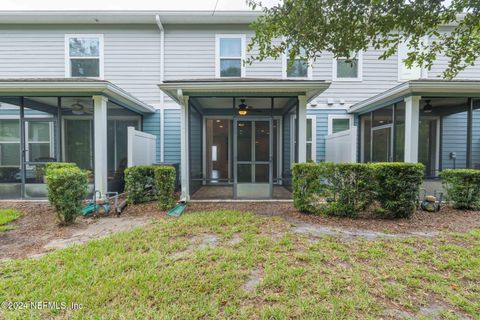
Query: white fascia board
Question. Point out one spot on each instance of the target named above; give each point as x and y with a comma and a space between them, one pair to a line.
94, 88
310, 89
417, 88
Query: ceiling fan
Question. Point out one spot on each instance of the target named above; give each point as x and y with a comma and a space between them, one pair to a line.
78, 108
428, 108
243, 108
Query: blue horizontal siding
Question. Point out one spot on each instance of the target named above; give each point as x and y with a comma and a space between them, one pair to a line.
151, 124
171, 144
476, 139
322, 128
454, 139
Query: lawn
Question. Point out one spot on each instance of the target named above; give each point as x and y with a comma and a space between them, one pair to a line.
228, 264
7, 216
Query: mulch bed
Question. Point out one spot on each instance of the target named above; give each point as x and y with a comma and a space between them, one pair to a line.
38, 225
447, 219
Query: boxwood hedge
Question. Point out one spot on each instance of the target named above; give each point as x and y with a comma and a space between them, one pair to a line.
463, 187
346, 189
67, 187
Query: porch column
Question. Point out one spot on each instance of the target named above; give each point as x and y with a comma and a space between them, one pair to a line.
185, 196
100, 143
412, 120
302, 129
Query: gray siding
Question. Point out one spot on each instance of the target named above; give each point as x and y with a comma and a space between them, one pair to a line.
131, 54
172, 136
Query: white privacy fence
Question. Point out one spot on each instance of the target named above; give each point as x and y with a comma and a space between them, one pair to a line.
341, 146
141, 148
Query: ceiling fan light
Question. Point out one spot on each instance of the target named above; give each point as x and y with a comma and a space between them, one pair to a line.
78, 112
428, 108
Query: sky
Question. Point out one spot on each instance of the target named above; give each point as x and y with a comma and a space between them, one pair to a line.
125, 4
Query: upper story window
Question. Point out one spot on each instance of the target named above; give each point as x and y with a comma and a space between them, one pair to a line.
230, 54
298, 68
84, 56
404, 72
348, 69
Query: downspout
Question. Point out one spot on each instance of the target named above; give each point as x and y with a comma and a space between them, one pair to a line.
162, 95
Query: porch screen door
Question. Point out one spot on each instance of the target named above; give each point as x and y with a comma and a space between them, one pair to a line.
40, 148
253, 173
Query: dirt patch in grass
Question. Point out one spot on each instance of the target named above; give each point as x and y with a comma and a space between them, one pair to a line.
37, 230
421, 223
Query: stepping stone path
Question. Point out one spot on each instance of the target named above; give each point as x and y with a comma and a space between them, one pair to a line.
204, 241
236, 239
316, 231
253, 280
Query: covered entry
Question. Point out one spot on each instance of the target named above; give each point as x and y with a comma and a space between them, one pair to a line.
83, 121
239, 136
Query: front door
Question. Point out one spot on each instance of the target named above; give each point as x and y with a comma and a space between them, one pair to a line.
253, 175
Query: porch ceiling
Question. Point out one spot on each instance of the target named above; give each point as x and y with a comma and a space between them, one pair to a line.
72, 87
239, 87
424, 88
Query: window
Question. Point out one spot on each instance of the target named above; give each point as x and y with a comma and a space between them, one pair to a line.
311, 138
300, 67
230, 55
84, 56
9, 142
405, 73
339, 123
348, 69
40, 135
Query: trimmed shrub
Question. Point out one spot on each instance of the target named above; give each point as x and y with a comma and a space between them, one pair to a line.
351, 189
397, 185
336, 189
140, 184
308, 181
67, 188
56, 165
463, 187
165, 177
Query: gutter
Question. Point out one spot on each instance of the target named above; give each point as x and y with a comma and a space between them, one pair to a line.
162, 77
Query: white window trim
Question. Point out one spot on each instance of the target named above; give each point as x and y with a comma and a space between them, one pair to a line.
400, 64
242, 38
359, 73
67, 53
331, 117
284, 69
314, 137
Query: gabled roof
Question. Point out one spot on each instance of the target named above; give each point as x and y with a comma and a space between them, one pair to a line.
243, 87
127, 16
422, 87
72, 87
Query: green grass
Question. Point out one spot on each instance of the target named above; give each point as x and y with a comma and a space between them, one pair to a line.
135, 275
7, 216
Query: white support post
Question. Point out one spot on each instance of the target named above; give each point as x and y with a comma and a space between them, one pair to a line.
302, 129
100, 143
185, 196
412, 120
